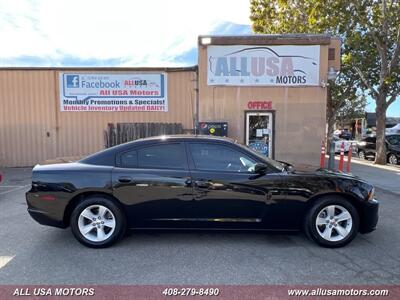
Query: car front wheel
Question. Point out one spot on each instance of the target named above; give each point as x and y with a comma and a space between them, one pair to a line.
97, 222
361, 154
332, 222
392, 159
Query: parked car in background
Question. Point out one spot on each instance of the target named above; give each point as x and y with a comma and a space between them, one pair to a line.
393, 130
345, 134
366, 148
347, 144
200, 182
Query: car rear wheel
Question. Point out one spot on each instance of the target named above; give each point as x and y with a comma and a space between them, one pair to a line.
97, 222
332, 222
361, 154
392, 159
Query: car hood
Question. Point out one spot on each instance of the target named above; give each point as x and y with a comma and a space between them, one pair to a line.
327, 173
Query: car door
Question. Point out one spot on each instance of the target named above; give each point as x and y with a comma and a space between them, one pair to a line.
154, 183
226, 190
370, 146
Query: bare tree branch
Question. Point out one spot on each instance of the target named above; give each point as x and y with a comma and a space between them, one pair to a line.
382, 49
367, 84
396, 53
394, 96
391, 100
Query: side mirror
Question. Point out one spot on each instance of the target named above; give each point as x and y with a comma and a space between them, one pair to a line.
260, 168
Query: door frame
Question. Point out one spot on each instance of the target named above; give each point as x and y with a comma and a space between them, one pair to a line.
273, 113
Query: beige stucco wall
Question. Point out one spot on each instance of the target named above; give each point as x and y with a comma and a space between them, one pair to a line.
300, 112
33, 129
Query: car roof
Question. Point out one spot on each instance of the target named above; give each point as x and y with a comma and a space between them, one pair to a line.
106, 156
185, 137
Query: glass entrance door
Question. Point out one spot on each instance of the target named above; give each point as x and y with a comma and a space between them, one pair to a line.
259, 133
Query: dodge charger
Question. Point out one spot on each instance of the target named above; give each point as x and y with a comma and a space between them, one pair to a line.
197, 182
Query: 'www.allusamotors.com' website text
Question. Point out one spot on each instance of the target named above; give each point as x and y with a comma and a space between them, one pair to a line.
337, 292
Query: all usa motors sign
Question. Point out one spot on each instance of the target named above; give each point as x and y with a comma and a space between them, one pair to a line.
113, 92
263, 65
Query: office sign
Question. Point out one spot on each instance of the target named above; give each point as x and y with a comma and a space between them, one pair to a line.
263, 65
113, 92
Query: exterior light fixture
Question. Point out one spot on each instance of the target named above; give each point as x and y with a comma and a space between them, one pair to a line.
206, 41
332, 74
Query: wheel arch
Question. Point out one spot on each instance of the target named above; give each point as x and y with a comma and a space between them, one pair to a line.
80, 197
354, 200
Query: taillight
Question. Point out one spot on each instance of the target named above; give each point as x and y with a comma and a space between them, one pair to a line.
47, 197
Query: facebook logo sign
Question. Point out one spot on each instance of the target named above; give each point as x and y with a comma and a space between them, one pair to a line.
72, 81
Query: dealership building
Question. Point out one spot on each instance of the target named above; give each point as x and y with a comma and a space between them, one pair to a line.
266, 91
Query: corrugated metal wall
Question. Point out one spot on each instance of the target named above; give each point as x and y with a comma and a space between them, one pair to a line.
33, 129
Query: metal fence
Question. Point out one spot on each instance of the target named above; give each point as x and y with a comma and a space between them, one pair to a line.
125, 132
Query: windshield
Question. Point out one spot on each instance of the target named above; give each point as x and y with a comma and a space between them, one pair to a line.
273, 163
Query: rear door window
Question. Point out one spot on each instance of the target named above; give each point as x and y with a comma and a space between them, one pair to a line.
169, 156
165, 156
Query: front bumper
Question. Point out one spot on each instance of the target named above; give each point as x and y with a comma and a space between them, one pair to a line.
369, 216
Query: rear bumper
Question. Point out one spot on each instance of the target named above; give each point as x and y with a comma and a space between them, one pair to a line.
43, 218
370, 216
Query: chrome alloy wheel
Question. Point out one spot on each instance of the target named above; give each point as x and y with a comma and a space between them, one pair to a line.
361, 155
96, 223
393, 159
334, 223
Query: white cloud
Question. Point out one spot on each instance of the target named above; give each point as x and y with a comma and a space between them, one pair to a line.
149, 32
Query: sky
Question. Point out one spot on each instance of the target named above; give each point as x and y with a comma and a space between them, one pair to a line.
113, 32
120, 33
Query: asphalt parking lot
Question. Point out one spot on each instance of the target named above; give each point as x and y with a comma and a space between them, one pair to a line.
35, 254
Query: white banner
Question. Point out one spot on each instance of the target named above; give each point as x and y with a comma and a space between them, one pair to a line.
113, 92
263, 65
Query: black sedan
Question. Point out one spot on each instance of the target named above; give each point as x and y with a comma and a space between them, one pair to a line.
197, 182
367, 148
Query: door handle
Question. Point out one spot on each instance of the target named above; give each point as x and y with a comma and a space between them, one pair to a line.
125, 179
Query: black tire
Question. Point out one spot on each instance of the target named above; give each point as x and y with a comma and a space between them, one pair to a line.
310, 227
118, 216
361, 154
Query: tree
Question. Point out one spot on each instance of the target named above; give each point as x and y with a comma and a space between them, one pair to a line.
344, 102
373, 42
370, 31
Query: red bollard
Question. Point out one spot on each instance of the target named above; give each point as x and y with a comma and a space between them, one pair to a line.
322, 160
349, 158
341, 160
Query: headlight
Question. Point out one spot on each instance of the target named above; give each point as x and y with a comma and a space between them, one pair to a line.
371, 194
362, 143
